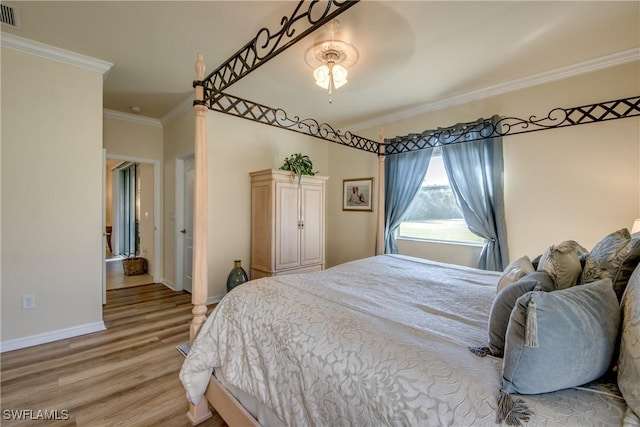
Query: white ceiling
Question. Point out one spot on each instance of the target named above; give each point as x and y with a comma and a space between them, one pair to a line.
413, 54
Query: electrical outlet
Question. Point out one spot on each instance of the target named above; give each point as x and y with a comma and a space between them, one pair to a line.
28, 301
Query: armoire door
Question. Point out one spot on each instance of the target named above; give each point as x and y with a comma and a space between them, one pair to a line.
287, 245
312, 231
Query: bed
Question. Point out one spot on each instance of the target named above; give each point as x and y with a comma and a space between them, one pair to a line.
379, 341
414, 318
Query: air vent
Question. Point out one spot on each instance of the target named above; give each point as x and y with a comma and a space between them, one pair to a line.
10, 15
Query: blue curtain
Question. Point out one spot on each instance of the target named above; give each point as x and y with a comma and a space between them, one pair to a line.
404, 174
475, 171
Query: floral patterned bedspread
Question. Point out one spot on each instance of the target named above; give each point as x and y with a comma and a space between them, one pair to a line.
378, 341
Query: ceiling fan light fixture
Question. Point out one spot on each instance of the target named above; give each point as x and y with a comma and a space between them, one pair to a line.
330, 76
330, 57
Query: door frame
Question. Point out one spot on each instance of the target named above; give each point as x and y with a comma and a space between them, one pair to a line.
157, 211
179, 216
104, 225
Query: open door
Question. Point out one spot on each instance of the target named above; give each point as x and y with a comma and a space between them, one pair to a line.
104, 226
185, 176
189, 176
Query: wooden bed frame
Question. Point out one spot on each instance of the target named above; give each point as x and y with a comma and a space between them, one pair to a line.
208, 96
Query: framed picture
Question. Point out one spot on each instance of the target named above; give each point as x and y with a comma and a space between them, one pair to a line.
357, 194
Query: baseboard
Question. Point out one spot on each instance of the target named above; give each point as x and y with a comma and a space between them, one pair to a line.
214, 299
47, 337
211, 300
169, 285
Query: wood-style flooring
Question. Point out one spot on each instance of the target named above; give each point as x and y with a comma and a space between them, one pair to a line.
124, 376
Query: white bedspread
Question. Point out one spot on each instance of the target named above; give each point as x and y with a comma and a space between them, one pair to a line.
379, 341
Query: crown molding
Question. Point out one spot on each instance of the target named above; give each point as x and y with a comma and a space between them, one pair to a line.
53, 53
178, 110
134, 118
603, 62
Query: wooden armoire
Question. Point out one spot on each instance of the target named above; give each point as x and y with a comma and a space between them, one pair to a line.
287, 223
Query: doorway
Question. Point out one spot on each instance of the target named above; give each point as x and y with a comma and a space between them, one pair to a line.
185, 178
132, 212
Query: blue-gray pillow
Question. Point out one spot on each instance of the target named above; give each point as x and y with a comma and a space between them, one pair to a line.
504, 302
629, 359
560, 339
614, 257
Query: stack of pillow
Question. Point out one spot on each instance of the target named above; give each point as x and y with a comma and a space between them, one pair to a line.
629, 358
568, 306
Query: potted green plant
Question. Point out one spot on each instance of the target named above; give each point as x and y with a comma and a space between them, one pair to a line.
299, 164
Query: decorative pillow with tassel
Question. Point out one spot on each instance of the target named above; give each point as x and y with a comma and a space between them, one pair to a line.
505, 301
557, 340
560, 339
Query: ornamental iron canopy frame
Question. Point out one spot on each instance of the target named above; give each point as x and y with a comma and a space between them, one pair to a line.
311, 15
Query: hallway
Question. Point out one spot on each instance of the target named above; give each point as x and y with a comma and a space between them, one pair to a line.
130, 209
116, 279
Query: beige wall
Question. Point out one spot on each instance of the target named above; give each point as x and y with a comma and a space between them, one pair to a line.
51, 198
131, 139
580, 182
236, 147
349, 233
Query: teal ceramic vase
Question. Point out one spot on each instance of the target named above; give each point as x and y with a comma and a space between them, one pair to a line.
237, 276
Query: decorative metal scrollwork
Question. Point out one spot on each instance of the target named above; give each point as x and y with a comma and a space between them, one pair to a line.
306, 17
556, 118
560, 117
312, 14
277, 117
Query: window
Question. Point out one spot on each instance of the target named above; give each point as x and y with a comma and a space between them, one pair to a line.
434, 213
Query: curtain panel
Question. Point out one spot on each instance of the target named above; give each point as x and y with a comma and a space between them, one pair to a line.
404, 174
475, 170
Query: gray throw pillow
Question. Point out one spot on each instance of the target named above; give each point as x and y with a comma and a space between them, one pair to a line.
504, 302
560, 339
562, 263
514, 271
629, 359
614, 257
